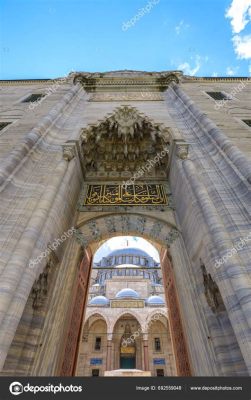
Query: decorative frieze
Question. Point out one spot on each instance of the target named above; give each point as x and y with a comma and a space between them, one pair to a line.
131, 96
131, 195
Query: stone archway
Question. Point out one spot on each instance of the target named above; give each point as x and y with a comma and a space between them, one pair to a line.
124, 327
160, 233
94, 327
102, 226
130, 131
158, 333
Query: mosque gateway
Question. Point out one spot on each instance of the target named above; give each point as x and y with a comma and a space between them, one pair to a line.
155, 155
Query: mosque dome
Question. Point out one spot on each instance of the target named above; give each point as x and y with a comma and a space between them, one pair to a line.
155, 300
99, 301
127, 293
129, 250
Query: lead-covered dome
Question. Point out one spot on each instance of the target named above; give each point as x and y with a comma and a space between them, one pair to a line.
155, 300
134, 251
127, 293
99, 301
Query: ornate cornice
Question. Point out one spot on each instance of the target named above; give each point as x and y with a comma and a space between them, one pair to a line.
21, 82
191, 79
157, 82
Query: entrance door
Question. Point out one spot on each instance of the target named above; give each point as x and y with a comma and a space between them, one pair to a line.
180, 349
79, 296
127, 362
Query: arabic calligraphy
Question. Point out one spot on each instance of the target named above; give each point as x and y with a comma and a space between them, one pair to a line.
141, 194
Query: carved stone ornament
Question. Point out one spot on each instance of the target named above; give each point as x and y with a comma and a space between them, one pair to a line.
182, 151
69, 152
80, 238
172, 236
124, 141
212, 292
131, 80
41, 286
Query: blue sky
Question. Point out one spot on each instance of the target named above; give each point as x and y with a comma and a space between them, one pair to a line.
50, 38
122, 242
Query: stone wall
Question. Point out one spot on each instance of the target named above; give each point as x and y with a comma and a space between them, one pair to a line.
210, 188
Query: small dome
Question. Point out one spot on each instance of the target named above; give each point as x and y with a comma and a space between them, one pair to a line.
99, 301
127, 294
155, 300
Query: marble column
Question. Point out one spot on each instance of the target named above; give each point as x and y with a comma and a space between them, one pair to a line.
109, 355
146, 354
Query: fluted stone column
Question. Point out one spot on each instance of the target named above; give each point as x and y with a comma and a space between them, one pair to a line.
17, 279
232, 278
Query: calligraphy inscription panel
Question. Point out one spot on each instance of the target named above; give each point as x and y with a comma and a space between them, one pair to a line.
130, 195
127, 303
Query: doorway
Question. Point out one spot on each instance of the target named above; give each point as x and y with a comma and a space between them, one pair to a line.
127, 362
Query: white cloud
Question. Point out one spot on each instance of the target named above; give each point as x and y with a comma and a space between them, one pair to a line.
242, 46
188, 69
249, 69
240, 14
181, 27
231, 71
215, 74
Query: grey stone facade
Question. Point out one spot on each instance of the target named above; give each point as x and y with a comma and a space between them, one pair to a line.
207, 179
